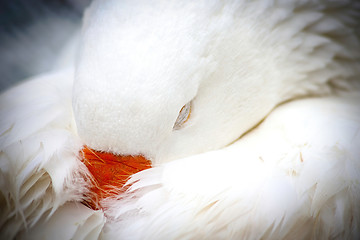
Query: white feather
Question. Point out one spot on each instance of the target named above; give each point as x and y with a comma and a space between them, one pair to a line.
81, 222
294, 176
39, 148
259, 158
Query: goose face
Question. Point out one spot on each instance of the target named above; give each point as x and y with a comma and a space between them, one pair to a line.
138, 68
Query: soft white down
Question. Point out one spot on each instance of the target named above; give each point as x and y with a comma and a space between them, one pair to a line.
270, 150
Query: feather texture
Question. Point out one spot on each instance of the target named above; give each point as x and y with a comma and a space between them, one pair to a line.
39, 166
270, 151
294, 177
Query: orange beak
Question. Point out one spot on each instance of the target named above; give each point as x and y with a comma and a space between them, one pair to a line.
110, 173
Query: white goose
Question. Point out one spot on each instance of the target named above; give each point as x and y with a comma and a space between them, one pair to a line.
248, 111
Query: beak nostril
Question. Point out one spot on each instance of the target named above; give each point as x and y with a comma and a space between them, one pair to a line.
109, 173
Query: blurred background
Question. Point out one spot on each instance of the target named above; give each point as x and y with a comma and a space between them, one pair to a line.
32, 32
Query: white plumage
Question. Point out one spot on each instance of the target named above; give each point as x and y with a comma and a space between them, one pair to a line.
270, 150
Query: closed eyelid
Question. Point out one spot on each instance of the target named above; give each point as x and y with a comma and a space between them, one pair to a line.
183, 117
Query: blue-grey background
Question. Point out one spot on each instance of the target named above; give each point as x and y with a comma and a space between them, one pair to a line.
31, 33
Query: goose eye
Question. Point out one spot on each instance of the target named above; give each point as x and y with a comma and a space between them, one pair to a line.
184, 115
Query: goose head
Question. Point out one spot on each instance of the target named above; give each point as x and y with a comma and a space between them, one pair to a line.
171, 79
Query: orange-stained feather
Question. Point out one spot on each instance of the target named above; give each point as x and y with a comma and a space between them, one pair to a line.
110, 172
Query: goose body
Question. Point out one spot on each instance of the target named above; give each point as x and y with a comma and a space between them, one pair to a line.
248, 110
